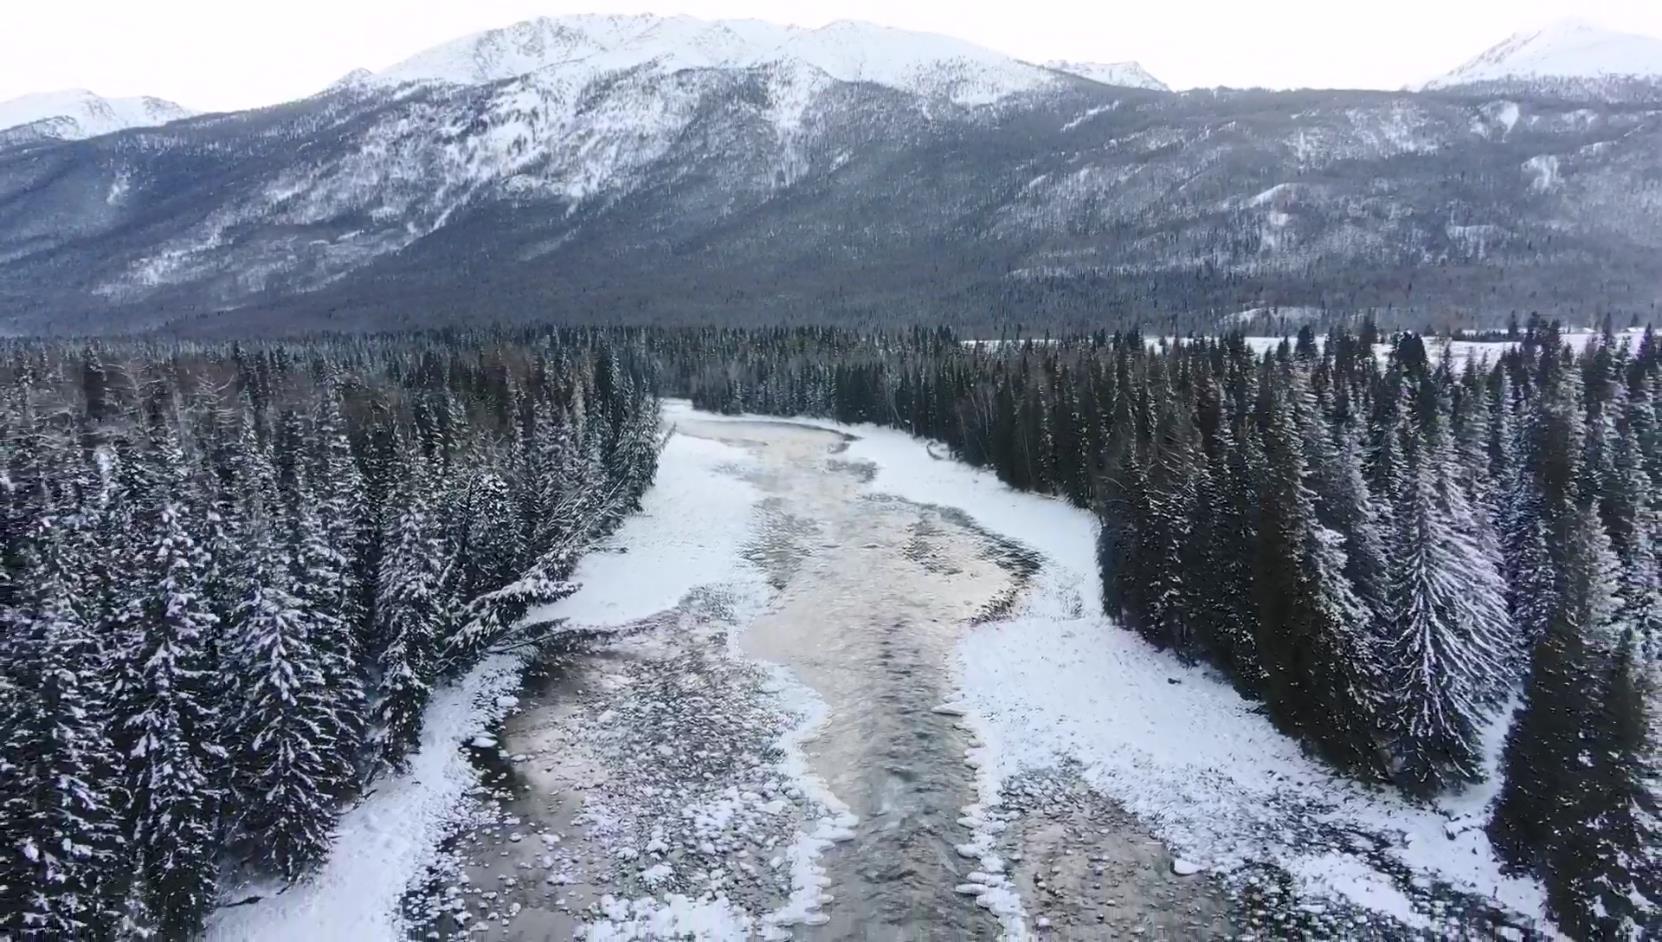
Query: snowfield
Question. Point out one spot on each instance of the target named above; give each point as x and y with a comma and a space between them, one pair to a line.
577, 50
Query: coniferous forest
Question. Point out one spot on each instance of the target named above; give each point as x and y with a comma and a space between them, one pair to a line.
232, 575
1391, 555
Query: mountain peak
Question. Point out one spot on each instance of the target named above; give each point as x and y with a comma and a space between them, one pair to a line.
1128, 74
1573, 49
577, 49
76, 113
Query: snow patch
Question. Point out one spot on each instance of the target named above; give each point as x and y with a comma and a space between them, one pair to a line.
1543, 173
808, 878
687, 534
1126, 74
1088, 114
675, 917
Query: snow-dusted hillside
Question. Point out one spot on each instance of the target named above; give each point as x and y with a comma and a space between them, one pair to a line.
1568, 50
1129, 74
574, 50
74, 114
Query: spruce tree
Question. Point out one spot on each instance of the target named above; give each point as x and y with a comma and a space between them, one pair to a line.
1322, 666
1612, 873
58, 798
409, 610
1451, 641
164, 618
320, 580
1545, 748
281, 739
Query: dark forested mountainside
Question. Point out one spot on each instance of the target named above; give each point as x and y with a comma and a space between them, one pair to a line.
766, 196
1391, 557
230, 577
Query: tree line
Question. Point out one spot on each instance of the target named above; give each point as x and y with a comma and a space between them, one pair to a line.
1398, 559
231, 576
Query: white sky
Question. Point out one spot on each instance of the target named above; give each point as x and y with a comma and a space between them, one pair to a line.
224, 54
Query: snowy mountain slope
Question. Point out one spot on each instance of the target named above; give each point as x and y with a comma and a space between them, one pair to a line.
575, 50
1125, 74
1568, 50
74, 114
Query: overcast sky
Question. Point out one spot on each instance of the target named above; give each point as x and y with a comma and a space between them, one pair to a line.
223, 54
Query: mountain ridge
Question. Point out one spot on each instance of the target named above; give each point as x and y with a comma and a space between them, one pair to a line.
1129, 74
577, 49
685, 181
76, 113
1572, 50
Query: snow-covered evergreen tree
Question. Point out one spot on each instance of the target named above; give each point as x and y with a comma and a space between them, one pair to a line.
1546, 749
320, 577
1321, 660
171, 726
409, 610
58, 801
1168, 621
282, 745
1451, 644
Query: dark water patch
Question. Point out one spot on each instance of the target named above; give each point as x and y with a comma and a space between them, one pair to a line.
863, 471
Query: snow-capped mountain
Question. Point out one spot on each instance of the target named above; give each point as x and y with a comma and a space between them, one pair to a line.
575, 50
1126, 74
74, 114
649, 168
1567, 51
